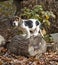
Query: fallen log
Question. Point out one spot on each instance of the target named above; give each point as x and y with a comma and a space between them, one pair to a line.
19, 45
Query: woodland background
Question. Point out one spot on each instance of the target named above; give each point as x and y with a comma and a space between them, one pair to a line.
10, 8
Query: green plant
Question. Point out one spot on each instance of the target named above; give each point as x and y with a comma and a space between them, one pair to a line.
48, 38
38, 13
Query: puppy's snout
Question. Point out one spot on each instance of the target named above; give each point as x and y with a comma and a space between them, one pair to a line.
14, 24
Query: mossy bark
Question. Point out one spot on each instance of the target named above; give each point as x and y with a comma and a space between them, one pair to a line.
27, 47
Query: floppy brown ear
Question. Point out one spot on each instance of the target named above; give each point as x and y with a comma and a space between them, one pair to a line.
16, 18
20, 20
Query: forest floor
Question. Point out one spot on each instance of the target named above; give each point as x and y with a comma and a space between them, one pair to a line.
48, 58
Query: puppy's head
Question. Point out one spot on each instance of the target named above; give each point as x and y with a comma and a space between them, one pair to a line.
16, 21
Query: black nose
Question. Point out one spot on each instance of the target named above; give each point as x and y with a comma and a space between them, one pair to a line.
14, 24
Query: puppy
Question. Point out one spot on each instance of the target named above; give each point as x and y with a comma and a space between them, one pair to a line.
31, 26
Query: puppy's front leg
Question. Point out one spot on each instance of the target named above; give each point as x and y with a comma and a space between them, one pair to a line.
36, 31
28, 33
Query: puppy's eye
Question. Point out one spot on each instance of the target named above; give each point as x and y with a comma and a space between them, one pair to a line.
17, 19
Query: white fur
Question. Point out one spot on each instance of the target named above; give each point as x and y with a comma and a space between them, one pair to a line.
33, 28
16, 23
36, 28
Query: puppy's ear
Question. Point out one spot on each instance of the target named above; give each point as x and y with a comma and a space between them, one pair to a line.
20, 20
17, 18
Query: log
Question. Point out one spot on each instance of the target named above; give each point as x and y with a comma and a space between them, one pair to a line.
19, 45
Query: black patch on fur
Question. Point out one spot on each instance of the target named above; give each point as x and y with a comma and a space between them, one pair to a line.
29, 23
37, 23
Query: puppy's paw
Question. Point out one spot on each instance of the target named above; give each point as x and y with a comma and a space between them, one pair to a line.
23, 35
35, 34
27, 37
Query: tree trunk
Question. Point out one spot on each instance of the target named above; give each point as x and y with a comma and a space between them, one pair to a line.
27, 47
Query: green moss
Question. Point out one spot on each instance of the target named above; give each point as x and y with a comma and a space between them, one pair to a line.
48, 38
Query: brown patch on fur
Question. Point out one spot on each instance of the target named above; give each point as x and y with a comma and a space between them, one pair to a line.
16, 18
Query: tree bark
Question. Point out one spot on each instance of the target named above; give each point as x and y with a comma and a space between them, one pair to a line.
27, 47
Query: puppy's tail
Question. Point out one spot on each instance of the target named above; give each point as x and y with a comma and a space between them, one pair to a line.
43, 32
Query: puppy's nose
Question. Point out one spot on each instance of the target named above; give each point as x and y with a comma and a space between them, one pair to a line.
14, 24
